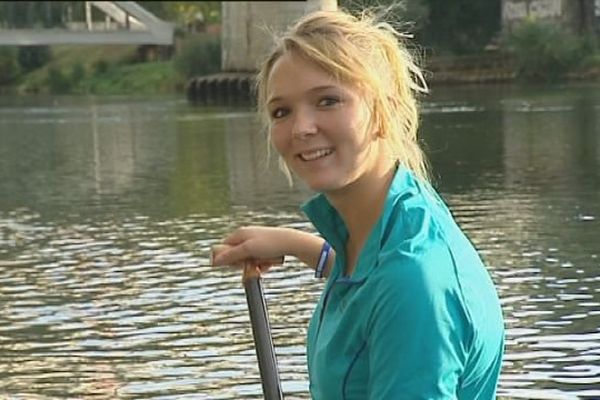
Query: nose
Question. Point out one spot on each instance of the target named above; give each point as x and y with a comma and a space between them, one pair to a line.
305, 124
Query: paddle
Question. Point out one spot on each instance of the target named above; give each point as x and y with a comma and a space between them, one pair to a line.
261, 330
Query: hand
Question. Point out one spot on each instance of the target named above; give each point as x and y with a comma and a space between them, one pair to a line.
259, 246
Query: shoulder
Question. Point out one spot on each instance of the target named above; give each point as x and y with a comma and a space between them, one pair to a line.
418, 288
415, 255
412, 211
413, 226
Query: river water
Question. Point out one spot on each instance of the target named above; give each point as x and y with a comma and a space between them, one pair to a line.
109, 206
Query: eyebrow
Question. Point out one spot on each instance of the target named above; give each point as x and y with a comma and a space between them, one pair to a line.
311, 90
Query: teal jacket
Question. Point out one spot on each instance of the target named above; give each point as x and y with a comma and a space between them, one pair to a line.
419, 318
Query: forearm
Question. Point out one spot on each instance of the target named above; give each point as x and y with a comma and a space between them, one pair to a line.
306, 247
267, 246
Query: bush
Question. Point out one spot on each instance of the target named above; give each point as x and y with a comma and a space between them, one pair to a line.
544, 51
9, 66
77, 73
100, 67
33, 57
57, 81
156, 77
199, 55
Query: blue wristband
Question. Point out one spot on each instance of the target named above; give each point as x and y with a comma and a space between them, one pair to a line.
320, 269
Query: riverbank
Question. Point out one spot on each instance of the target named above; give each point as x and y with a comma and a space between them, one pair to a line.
101, 69
489, 68
124, 70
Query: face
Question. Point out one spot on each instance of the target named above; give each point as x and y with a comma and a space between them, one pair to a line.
319, 126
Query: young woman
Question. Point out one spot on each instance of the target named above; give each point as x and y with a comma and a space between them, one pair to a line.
409, 310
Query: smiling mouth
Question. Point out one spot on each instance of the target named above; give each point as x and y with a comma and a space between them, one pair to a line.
315, 154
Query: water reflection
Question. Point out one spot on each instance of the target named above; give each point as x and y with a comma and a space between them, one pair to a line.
109, 206
255, 179
134, 306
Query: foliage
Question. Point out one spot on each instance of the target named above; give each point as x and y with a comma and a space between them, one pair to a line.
544, 51
411, 14
452, 26
9, 66
60, 82
199, 55
57, 81
77, 73
184, 12
49, 14
143, 78
72, 61
458, 26
33, 57
100, 67
461, 26
34, 14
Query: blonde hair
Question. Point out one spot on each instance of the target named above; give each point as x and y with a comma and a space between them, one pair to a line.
368, 55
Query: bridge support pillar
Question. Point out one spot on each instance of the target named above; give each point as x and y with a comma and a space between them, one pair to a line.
246, 36
246, 39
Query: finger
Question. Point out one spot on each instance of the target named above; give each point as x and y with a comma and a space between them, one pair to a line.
217, 249
219, 254
225, 254
230, 255
236, 237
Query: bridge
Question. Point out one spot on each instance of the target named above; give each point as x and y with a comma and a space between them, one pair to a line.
125, 22
245, 38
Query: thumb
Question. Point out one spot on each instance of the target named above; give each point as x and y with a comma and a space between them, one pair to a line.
251, 271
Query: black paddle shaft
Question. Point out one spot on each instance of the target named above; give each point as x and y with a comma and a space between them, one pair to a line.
261, 330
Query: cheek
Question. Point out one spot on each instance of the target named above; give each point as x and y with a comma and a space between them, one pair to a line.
278, 140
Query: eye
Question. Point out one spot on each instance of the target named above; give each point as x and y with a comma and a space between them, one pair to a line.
328, 101
279, 112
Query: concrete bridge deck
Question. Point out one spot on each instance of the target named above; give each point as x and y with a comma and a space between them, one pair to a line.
126, 22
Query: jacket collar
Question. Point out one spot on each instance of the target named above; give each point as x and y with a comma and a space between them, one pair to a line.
330, 225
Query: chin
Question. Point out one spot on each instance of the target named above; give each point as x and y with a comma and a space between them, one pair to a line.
322, 186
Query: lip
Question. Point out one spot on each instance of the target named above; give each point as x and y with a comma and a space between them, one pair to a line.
314, 154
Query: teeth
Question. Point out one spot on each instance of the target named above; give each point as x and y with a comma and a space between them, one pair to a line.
313, 155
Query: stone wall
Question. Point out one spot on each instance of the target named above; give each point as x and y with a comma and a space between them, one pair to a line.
579, 16
514, 11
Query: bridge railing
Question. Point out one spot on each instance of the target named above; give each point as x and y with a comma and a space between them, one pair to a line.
98, 26
123, 22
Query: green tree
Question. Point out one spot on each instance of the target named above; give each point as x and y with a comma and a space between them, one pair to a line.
411, 15
199, 55
451, 26
32, 14
9, 66
544, 51
33, 57
57, 81
47, 14
77, 73
461, 26
184, 12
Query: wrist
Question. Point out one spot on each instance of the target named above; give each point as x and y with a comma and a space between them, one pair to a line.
323, 260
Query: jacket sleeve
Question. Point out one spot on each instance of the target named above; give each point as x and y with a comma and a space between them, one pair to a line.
417, 335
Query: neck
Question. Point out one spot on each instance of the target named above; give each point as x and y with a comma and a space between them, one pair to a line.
360, 203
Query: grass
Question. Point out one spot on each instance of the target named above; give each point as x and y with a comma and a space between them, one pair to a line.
120, 73
142, 78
